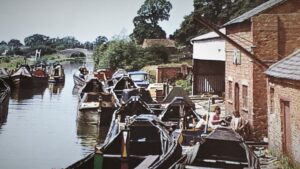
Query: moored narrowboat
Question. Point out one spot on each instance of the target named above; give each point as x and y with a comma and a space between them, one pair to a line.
4, 100
22, 78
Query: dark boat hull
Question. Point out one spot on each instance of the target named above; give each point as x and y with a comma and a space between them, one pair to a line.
20, 81
4, 101
39, 81
149, 146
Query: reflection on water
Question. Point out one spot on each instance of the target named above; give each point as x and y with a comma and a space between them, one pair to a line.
41, 131
55, 88
23, 94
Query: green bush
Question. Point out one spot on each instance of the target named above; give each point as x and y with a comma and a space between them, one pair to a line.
185, 84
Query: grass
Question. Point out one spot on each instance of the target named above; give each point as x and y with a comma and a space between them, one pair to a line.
286, 163
12, 62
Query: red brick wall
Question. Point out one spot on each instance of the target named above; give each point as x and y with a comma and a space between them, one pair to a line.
289, 90
272, 37
241, 74
165, 73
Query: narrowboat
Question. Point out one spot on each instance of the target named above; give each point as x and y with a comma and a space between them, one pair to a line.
222, 148
39, 74
22, 78
123, 83
185, 122
4, 75
4, 100
80, 76
143, 143
57, 74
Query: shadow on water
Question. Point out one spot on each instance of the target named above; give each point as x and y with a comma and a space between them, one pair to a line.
24, 94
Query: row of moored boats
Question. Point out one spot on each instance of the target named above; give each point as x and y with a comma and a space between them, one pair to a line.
144, 133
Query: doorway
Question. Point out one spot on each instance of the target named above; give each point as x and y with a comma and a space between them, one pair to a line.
237, 97
285, 126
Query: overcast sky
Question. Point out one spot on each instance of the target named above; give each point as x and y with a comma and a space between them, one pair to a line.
84, 19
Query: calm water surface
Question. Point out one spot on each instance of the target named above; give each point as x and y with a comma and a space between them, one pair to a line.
41, 131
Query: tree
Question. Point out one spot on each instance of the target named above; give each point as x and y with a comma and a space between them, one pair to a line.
14, 43
147, 31
35, 40
88, 45
214, 11
100, 40
153, 11
146, 23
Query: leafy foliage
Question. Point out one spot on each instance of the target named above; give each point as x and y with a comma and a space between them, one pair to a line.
146, 23
101, 40
216, 12
125, 54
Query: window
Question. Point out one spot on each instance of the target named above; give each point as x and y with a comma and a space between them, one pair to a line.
245, 96
272, 100
236, 57
230, 90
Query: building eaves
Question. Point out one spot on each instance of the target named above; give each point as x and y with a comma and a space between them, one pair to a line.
287, 68
255, 11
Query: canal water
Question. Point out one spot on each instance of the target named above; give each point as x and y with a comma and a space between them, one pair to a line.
41, 131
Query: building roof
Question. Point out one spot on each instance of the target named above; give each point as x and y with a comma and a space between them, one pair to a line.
255, 11
161, 42
137, 72
210, 35
287, 68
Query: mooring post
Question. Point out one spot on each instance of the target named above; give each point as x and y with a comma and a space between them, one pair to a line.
98, 158
207, 117
125, 149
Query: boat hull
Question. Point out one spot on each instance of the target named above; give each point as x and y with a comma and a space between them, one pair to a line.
20, 81
4, 101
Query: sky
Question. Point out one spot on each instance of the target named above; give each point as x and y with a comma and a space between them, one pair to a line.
83, 19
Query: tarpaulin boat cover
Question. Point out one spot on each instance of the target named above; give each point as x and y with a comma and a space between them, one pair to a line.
22, 71
177, 92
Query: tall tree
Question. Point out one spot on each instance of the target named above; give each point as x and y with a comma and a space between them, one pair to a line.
14, 43
146, 23
101, 40
36, 40
214, 11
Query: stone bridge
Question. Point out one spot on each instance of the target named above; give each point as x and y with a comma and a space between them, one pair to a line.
69, 52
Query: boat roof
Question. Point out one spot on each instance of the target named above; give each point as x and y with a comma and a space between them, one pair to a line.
224, 134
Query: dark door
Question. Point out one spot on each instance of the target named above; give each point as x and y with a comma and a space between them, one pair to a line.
286, 126
236, 97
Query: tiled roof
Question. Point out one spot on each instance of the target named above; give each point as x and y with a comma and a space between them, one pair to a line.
160, 42
287, 68
259, 9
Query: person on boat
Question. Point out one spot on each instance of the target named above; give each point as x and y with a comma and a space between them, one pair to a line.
238, 123
216, 119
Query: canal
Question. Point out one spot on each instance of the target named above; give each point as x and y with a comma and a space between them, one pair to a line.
41, 131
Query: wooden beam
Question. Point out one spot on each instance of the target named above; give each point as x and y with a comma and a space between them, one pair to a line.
232, 42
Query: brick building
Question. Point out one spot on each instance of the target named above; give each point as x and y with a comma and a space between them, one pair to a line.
270, 32
208, 63
169, 73
284, 106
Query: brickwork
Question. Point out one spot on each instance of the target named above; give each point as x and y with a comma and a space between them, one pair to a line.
239, 74
270, 36
166, 73
288, 90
